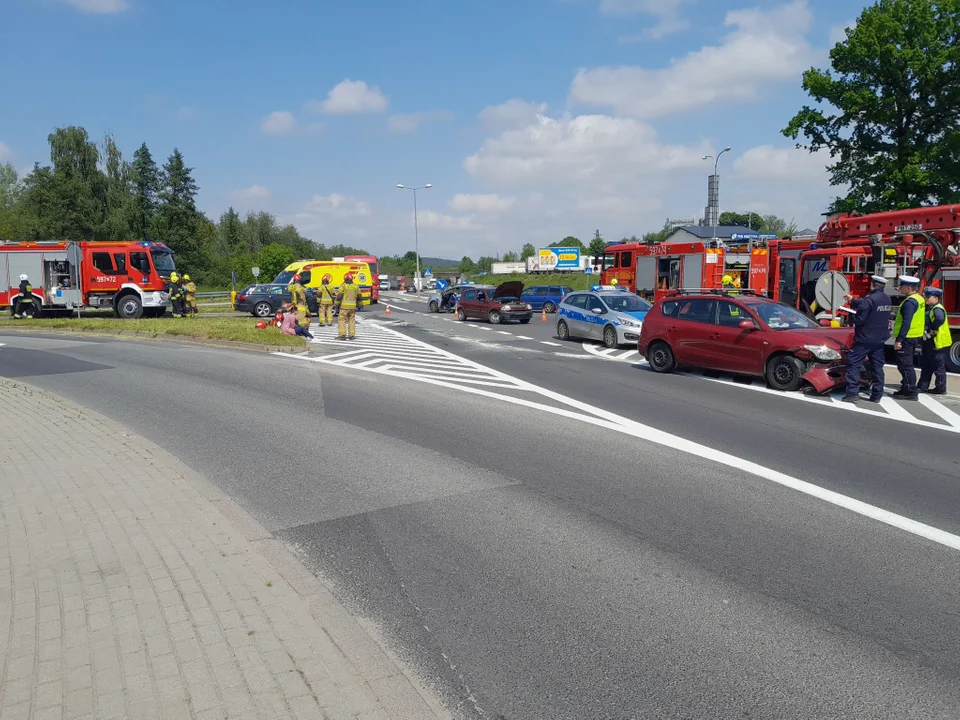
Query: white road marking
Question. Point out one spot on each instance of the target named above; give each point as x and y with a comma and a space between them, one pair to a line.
894, 410
587, 413
504, 332
944, 413
524, 337
547, 342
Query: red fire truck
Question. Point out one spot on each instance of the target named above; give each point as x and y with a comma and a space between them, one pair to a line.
922, 241
126, 277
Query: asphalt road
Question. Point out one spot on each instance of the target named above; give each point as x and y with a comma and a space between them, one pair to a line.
532, 565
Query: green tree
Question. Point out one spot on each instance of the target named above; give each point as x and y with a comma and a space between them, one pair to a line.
773, 225
528, 250
119, 212
272, 259
747, 220
231, 232
511, 257
145, 179
485, 263
177, 217
78, 194
466, 265
659, 235
597, 244
889, 107
570, 241
10, 186
765, 224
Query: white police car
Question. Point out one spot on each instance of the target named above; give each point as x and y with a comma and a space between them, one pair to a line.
612, 316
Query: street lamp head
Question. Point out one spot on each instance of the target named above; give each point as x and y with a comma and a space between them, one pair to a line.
727, 149
400, 186
428, 185
707, 157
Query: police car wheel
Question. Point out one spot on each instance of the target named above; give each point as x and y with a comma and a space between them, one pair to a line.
549, 307
785, 373
610, 336
434, 307
563, 332
660, 357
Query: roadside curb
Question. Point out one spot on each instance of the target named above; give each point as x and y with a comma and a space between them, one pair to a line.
187, 339
401, 695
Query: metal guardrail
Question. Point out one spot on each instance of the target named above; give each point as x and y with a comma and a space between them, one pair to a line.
222, 293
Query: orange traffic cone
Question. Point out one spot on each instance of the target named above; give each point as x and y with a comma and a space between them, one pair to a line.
388, 310
543, 316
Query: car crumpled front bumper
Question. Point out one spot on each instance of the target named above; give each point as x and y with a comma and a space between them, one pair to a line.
824, 377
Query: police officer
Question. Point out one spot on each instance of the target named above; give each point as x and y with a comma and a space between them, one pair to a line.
871, 330
326, 300
348, 300
908, 331
190, 296
23, 307
936, 340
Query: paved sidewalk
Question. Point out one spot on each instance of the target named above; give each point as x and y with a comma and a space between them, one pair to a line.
131, 588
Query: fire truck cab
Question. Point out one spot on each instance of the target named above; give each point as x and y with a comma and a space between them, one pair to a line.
127, 277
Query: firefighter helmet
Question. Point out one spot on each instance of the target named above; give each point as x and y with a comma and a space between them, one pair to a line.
297, 278
174, 277
348, 278
613, 281
187, 278
23, 277
261, 325
727, 280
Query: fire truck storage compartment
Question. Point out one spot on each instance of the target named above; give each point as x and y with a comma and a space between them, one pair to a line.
668, 273
18, 264
646, 274
62, 278
692, 271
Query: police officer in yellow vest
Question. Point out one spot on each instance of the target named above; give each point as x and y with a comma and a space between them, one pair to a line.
326, 299
298, 297
348, 300
936, 341
908, 331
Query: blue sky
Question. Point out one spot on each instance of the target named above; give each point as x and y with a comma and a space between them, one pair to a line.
533, 119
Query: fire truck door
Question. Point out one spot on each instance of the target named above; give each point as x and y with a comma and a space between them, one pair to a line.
692, 277
788, 281
646, 281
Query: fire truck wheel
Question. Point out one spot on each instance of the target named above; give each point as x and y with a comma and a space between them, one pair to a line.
660, 357
785, 372
953, 358
129, 307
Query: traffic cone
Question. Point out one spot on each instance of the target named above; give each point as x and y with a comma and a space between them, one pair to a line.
543, 316
388, 310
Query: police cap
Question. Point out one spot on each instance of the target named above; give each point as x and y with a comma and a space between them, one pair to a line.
933, 292
877, 280
909, 280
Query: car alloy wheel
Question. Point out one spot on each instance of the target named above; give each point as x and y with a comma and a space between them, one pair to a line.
610, 336
461, 315
563, 332
549, 307
262, 310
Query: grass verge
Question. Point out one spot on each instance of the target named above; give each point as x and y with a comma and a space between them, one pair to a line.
239, 330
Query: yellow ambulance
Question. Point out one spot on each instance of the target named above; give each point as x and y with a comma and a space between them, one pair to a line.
312, 273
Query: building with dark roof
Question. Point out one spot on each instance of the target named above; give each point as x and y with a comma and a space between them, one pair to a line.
699, 233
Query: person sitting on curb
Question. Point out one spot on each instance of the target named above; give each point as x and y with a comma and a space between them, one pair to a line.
290, 325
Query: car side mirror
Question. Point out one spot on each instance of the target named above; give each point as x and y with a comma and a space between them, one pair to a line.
598, 311
747, 325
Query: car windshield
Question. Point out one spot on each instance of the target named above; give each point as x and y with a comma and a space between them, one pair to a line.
783, 317
163, 261
626, 303
284, 278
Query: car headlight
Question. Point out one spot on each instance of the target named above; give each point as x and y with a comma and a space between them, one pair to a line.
822, 352
630, 322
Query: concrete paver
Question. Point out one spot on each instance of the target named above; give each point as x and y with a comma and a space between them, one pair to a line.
130, 587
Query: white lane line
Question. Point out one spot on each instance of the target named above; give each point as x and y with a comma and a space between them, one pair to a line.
547, 342
577, 356
945, 414
396, 307
893, 408
603, 418
504, 332
524, 337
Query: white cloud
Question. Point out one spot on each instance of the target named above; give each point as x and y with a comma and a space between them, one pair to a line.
101, 7
481, 203
256, 192
279, 122
838, 33
513, 113
349, 97
5, 152
339, 206
666, 12
766, 162
432, 220
411, 122
764, 47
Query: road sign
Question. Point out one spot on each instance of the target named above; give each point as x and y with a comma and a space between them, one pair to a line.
428, 273
831, 287
255, 271
442, 284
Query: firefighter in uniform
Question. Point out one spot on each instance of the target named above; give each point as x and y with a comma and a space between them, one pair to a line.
728, 285
298, 296
326, 300
936, 340
24, 300
348, 300
908, 331
871, 331
177, 295
190, 292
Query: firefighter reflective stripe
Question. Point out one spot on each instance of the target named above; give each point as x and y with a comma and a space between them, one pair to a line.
349, 294
942, 339
326, 297
917, 323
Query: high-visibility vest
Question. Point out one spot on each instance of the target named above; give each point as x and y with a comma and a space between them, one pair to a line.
942, 339
918, 322
349, 291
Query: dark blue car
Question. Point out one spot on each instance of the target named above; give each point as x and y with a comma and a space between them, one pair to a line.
545, 297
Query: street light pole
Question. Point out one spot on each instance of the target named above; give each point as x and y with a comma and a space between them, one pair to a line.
716, 179
416, 230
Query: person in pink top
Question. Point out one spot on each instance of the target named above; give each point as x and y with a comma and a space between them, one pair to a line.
290, 324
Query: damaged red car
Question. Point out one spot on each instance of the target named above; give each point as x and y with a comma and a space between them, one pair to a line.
744, 334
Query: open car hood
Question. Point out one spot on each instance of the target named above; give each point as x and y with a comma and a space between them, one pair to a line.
511, 288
